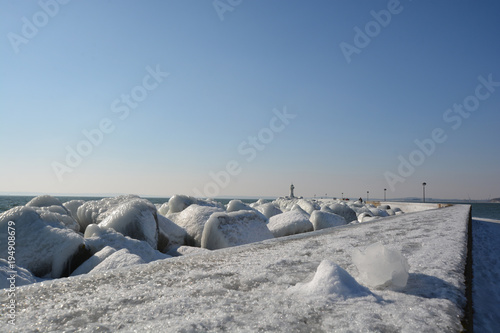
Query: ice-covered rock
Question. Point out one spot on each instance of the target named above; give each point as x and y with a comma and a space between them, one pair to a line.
95, 211
21, 277
193, 220
72, 207
322, 220
289, 223
46, 247
343, 210
118, 259
93, 261
44, 201
268, 209
235, 228
379, 212
97, 239
308, 205
366, 217
380, 267
185, 250
170, 234
178, 203
330, 281
135, 218
236, 205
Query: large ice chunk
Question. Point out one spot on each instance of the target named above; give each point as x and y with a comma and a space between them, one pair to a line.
119, 259
97, 239
95, 211
170, 232
381, 267
235, 228
136, 219
289, 223
322, 220
268, 209
330, 281
178, 203
343, 210
193, 220
93, 261
47, 248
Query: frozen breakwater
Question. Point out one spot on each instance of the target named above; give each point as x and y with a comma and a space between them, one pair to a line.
299, 283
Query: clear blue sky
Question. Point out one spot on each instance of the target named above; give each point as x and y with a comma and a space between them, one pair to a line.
258, 94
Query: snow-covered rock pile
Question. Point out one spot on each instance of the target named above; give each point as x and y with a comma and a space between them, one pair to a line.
304, 283
79, 237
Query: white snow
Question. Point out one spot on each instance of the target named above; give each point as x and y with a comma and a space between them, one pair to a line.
332, 282
322, 220
380, 266
268, 209
247, 288
234, 228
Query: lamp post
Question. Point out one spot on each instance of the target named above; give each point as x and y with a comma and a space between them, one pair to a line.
423, 189
342, 195
367, 192
384, 193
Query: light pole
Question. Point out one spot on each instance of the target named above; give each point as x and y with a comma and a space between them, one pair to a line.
423, 189
384, 193
342, 195
367, 192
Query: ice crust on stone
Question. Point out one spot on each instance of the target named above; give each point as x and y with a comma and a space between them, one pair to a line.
289, 223
22, 275
268, 209
332, 282
93, 261
175, 234
118, 259
44, 245
235, 228
322, 220
343, 210
193, 220
136, 219
179, 202
380, 266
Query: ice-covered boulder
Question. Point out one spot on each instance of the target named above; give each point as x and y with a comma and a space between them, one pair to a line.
170, 234
72, 207
235, 228
308, 205
322, 220
93, 261
378, 212
236, 205
95, 211
380, 267
185, 251
51, 208
268, 209
118, 259
332, 282
366, 217
44, 201
178, 203
289, 223
136, 219
343, 210
46, 247
97, 239
22, 276
193, 220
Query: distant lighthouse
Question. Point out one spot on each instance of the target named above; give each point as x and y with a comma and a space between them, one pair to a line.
291, 191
